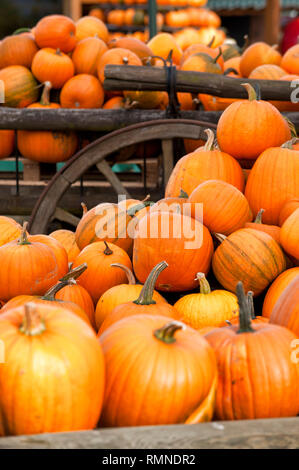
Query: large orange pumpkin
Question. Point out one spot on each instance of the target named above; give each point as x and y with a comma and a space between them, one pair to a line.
141, 349
9, 230
57, 32
205, 163
257, 54
87, 54
162, 44
70, 376
276, 168
290, 60
20, 86
82, 91
7, 142
249, 255
183, 242
58, 250
53, 66
117, 56
250, 384
247, 128
90, 26
286, 310
225, 208
17, 50
277, 289
289, 235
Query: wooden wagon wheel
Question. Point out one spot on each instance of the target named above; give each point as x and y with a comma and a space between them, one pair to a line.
47, 207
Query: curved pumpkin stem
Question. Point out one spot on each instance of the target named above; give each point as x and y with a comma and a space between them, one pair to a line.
252, 93
259, 217
204, 413
203, 283
32, 324
51, 293
244, 311
146, 294
107, 250
21, 31
73, 274
138, 207
246, 43
220, 237
84, 207
166, 333
209, 145
218, 56
23, 240
130, 275
212, 41
45, 98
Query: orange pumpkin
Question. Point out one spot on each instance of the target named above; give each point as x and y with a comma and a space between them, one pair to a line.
205, 163
254, 319
68, 241
58, 250
17, 50
225, 208
202, 17
250, 255
162, 44
117, 56
272, 230
20, 86
115, 103
257, 54
276, 290
90, 26
202, 48
71, 370
177, 19
289, 235
87, 54
267, 72
9, 230
257, 126
98, 13
82, 92
144, 99
57, 32
287, 209
289, 61
7, 143
116, 17
286, 310
211, 36
135, 45
137, 351
202, 62
53, 66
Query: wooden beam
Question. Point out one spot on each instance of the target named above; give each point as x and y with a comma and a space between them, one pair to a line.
272, 22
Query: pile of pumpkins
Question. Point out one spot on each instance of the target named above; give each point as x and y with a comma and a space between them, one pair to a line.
84, 345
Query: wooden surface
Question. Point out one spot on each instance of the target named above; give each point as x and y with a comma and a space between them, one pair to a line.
272, 22
257, 434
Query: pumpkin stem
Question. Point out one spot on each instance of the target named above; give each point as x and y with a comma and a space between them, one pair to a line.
211, 42
45, 98
51, 293
21, 30
251, 304
32, 323
259, 217
130, 275
183, 194
58, 51
244, 311
291, 127
133, 210
146, 294
209, 145
84, 207
166, 333
220, 237
125, 60
107, 250
72, 275
146, 198
218, 56
23, 240
246, 43
203, 283
252, 93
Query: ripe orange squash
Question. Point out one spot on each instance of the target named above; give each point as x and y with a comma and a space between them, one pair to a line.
27, 268
57, 32
286, 310
7, 142
257, 54
225, 208
287, 209
183, 242
257, 126
276, 290
162, 44
117, 56
87, 54
205, 163
116, 17
143, 305
272, 230
82, 91
203, 17
144, 99
90, 26
202, 48
120, 294
202, 62
177, 19
267, 72
135, 45
289, 60
98, 13
9, 230
289, 235
53, 66
100, 276
71, 359
17, 50
276, 168
58, 250
47, 146
244, 377
250, 255
207, 308
116, 102
137, 351
68, 240
20, 86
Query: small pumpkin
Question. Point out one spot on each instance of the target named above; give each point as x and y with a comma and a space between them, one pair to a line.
83, 91
90, 26
289, 60
135, 45
20, 86
52, 65
68, 240
267, 72
286, 310
272, 230
117, 56
244, 377
276, 289
57, 32
17, 50
138, 351
289, 235
162, 43
9, 230
207, 308
7, 142
257, 54
87, 54
202, 62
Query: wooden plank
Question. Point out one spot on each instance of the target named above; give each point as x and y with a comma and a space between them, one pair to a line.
31, 170
115, 182
255, 434
167, 148
272, 22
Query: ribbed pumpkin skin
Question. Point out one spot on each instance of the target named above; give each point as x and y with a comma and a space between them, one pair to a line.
273, 180
277, 289
134, 45
225, 208
184, 260
118, 295
162, 43
136, 362
26, 269
267, 72
58, 250
199, 166
89, 26
272, 230
70, 371
287, 209
7, 142
17, 50
56, 31
290, 60
286, 309
68, 241
257, 54
9, 230
79, 296
82, 91
117, 56
252, 385
20, 86
289, 235
248, 128
250, 256
100, 276
87, 54
53, 66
